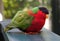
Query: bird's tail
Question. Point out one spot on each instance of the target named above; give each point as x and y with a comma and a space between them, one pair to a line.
8, 28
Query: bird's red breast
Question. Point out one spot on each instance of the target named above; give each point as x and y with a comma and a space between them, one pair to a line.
37, 22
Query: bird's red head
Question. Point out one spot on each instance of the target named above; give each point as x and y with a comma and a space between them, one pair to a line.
37, 9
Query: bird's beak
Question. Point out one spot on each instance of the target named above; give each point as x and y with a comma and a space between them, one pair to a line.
46, 16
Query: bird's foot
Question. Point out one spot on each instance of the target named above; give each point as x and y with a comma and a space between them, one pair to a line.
32, 33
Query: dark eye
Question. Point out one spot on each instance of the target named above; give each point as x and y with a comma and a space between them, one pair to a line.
43, 9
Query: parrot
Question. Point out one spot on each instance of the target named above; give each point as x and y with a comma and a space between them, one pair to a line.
30, 21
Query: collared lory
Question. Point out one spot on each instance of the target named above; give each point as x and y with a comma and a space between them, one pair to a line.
30, 20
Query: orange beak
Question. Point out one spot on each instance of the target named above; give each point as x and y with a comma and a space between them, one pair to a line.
46, 16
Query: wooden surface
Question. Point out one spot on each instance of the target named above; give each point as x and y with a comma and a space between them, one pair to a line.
16, 35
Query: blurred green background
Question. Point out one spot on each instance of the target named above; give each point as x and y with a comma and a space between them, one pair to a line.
12, 6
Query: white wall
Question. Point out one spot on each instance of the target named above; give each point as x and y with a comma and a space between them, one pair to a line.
48, 24
1, 18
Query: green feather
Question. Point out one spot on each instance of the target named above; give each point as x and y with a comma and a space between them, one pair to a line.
22, 20
35, 10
